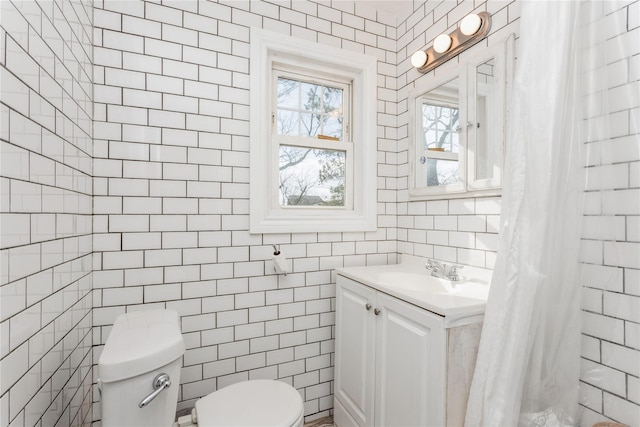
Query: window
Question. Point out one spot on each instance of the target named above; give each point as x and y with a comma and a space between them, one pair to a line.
312, 137
310, 131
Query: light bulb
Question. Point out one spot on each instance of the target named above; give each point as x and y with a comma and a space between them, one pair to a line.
470, 24
442, 43
419, 58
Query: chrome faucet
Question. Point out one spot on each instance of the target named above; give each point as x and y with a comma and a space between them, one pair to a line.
443, 271
437, 268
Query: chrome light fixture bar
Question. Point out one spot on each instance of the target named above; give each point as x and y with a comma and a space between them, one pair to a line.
473, 28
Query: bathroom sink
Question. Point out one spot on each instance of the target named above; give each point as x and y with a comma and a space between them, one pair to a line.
469, 288
424, 282
411, 282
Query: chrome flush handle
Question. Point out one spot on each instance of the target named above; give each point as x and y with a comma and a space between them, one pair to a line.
160, 382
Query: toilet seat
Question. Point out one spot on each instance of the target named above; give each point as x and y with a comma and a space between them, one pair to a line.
264, 403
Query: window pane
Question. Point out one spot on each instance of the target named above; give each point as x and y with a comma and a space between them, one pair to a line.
319, 109
311, 124
333, 101
311, 97
438, 172
288, 123
333, 127
288, 93
311, 177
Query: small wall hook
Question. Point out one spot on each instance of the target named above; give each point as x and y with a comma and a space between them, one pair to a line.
276, 249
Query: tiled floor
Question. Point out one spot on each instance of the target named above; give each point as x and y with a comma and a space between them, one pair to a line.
322, 422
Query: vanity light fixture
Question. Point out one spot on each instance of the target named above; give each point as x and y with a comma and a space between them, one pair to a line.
473, 28
442, 43
419, 58
470, 24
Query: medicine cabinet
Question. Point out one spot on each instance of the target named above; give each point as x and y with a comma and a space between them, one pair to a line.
458, 127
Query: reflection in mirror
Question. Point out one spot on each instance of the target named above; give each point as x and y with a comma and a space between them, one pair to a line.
488, 155
438, 162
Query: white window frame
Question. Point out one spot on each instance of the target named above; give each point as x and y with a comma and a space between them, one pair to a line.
266, 215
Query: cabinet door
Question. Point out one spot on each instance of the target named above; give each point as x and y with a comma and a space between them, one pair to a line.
410, 365
355, 352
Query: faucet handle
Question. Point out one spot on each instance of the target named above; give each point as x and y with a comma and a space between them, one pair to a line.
433, 264
453, 272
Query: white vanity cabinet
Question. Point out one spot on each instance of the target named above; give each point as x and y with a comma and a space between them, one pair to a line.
391, 362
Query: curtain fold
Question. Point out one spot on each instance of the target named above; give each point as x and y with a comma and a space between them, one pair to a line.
527, 371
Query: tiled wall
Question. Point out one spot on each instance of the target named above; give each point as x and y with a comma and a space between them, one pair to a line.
457, 230
171, 190
611, 237
45, 150
170, 161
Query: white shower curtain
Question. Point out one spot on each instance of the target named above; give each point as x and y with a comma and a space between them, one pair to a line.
527, 371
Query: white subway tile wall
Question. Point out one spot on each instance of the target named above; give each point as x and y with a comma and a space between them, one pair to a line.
171, 191
163, 86
46, 213
611, 244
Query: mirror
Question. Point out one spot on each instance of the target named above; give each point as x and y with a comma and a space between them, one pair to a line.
488, 156
458, 128
439, 137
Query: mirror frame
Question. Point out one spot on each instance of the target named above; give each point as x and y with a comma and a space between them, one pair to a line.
467, 186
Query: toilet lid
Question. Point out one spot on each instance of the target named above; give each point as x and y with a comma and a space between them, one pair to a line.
264, 403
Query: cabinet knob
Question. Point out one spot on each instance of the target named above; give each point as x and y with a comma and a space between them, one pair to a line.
376, 311
368, 306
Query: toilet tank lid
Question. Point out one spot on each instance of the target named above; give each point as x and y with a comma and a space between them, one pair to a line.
140, 342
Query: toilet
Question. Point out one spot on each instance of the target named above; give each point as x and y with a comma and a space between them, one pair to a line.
139, 375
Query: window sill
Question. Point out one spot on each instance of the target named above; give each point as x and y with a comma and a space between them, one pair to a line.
313, 224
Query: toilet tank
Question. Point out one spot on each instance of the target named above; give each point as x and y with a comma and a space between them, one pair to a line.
141, 346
